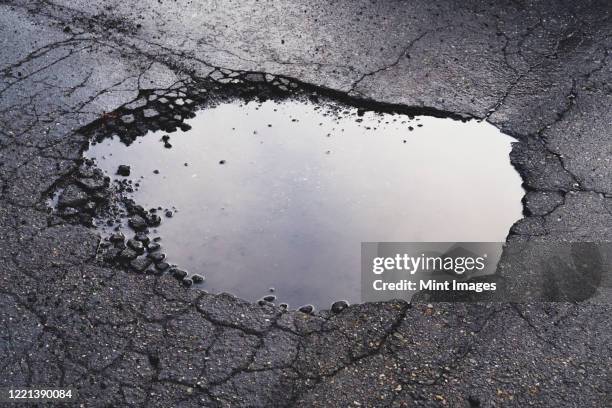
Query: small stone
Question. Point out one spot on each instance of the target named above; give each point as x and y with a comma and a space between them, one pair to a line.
155, 171
140, 264
92, 184
221, 161
169, 214
127, 254
116, 237
283, 306
162, 266
187, 282
72, 196
156, 256
308, 309
178, 273
123, 170
137, 223
197, 278
136, 246
153, 246
142, 237
269, 298
167, 145
153, 220
339, 306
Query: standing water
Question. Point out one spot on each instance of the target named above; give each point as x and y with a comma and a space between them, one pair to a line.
282, 194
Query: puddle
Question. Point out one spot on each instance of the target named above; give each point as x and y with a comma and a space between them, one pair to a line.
281, 195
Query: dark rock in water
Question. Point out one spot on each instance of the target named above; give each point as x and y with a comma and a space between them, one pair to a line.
127, 254
153, 220
142, 237
92, 184
185, 127
167, 145
156, 256
197, 278
111, 254
221, 161
269, 298
339, 306
140, 264
123, 170
155, 171
178, 273
153, 246
187, 282
137, 223
72, 196
262, 302
69, 212
162, 266
283, 306
308, 309
136, 246
165, 138
169, 214
117, 237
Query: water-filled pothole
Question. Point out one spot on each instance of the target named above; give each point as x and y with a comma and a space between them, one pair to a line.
281, 194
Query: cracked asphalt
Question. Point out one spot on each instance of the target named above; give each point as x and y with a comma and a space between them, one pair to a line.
540, 71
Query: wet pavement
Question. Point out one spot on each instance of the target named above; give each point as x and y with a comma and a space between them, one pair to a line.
274, 199
540, 73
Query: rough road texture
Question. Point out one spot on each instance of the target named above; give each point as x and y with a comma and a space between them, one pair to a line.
540, 72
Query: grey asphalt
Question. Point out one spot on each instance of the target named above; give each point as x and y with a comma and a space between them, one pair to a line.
538, 70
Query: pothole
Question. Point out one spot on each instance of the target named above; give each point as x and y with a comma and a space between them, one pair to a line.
262, 195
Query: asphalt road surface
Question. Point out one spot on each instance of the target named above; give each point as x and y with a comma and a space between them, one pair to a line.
540, 71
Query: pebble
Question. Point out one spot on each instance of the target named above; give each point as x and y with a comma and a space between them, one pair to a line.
153, 219
92, 183
187, 282
169, 214
72, 196
339, 306
123, 170
136, 246
142, 237
178, 273
308, 309
156, 256
162, 266
269, 298
140, 264
197, 278
127, 254
153, 246
221, 161
137, 223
